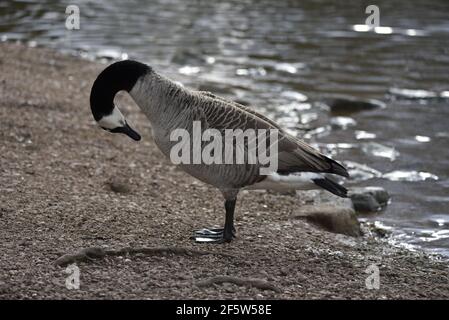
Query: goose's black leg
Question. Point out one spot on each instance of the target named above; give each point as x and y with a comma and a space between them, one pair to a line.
229, 230
219, 235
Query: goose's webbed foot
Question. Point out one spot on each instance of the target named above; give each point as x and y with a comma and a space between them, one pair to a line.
214, 235
219, 235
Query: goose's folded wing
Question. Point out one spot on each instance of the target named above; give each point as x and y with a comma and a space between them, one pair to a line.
294, 155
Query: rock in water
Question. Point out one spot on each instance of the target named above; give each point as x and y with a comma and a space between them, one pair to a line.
364, 202
369, 199
347, 106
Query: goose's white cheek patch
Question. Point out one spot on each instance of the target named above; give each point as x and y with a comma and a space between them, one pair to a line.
112, 121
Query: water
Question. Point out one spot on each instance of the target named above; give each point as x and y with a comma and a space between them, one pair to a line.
290, 58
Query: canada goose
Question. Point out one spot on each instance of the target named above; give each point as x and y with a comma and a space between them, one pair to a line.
170, 106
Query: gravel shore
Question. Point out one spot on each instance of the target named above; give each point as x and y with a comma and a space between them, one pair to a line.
66, 185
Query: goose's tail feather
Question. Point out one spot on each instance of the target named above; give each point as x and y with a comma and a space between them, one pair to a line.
331, 186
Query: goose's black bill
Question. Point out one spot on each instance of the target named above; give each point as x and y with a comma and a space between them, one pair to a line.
126, 129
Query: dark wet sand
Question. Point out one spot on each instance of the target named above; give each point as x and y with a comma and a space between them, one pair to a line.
56, 172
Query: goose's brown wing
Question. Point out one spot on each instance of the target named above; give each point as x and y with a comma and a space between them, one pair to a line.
294, 155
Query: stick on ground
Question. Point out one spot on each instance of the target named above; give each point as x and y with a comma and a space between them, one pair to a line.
88, 254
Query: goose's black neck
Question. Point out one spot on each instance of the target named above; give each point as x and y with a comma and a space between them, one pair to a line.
118, 76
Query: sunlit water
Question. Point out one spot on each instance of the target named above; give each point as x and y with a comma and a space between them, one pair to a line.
289, 59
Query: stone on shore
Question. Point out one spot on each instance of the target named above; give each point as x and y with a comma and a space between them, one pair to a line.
118, 185
337, 219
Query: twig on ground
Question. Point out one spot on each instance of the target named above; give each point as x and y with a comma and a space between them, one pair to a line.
88, 254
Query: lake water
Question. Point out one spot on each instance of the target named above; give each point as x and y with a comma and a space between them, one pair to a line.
289, 59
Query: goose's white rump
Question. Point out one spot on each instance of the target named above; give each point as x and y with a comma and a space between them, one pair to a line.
293, 181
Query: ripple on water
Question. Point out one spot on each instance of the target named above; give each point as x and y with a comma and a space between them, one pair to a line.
289, 67
343, 122
318, 132
189, 57
362, 135
439, 220
431, 235
388, 30
360, 172
251, 72
367, 28
444, 94
413, 93
189, 70
331, 149
306, 118
111, 54
422, 139
404, 175
436, 199
293, 95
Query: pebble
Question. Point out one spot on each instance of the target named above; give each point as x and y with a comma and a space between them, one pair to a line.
118, 186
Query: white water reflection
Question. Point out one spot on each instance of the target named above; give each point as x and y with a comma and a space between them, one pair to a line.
293, 95
288, 67
361, 28
111, 54
422, 139
361, 135
403, 175
413, 93
383, 30
360, 172
380, 150
367, 28
189, 70
343, 122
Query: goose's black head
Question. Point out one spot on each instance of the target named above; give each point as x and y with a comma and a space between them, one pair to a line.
121, 75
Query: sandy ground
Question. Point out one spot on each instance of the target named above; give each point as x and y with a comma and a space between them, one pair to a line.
66, 185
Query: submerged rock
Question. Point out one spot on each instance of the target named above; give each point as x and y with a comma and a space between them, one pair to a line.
337, 219
341, 106
365, 203
369, 199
